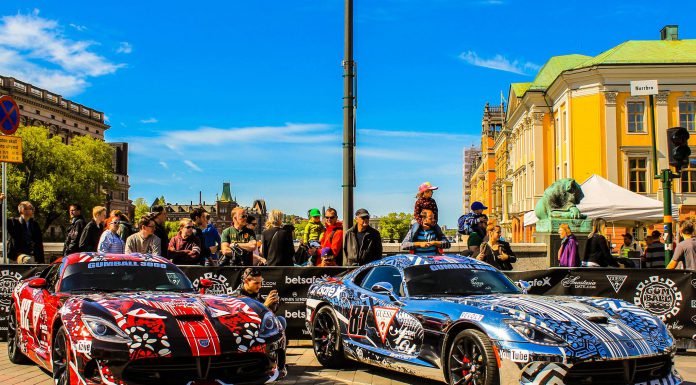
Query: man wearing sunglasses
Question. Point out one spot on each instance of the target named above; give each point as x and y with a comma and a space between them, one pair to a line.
333, 236
185, 247
145, 241
238, 242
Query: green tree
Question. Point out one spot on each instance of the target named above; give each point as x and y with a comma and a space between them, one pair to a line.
299, 229
172, 228
141, 208
54, 174
394, 226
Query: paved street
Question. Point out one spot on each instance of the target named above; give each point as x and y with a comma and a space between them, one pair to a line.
303, 370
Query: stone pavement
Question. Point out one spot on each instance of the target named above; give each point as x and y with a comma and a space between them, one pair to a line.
303, 370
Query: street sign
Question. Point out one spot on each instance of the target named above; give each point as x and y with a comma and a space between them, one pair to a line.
11, 149
643, 87
9, 115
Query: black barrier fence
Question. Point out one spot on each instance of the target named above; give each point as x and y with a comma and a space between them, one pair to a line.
669, 294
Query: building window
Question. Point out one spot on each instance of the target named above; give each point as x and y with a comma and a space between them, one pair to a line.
64, 121
637, 175
38, 112
97, 132
686, 115
53, 116
688, 178
636, 111
75, 124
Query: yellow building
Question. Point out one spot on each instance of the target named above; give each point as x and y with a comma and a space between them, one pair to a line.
483, 177
578, 118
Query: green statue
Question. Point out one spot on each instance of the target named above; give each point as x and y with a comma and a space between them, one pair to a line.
560, 200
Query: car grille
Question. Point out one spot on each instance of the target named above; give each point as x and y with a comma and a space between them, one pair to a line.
629, 371
229, 367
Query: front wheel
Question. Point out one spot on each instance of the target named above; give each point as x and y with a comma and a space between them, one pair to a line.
60, 356
326, 339
472, 360
13, 335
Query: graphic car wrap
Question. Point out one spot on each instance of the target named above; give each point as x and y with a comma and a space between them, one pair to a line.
147, 333
412, 334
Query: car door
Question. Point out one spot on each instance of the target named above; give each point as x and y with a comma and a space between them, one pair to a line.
39, 313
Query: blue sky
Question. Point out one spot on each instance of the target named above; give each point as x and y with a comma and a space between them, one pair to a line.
250, 91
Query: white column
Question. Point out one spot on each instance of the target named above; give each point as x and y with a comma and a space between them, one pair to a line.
538, 155
612, 148
661, 121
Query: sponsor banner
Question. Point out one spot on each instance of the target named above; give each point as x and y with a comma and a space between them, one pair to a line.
666, 293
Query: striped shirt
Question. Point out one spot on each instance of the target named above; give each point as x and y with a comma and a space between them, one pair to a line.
110, 243
425, 236
654, 255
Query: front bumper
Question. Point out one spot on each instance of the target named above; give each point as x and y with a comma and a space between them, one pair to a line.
523, 364
113, 366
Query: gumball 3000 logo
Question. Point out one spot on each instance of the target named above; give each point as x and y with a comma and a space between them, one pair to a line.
660, 296
8, 281
221, 284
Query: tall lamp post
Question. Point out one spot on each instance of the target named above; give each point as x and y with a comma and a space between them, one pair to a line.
348, 119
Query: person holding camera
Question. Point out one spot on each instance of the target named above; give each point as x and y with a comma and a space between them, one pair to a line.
251, 287
238, 242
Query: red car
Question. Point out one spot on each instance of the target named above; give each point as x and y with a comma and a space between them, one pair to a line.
136, 319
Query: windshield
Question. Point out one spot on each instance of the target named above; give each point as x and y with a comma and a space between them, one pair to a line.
124, 276
450, 279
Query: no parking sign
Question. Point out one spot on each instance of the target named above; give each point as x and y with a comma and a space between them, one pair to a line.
9, 115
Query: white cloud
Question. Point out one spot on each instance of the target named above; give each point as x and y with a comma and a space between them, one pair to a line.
193, 166
289, 133
164, 164
499, 62
78, 27
124, 47
149, 121
35, 50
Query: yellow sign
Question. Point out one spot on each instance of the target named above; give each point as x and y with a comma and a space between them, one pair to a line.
10, 149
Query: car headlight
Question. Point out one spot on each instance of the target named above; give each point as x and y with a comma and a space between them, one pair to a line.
104, 330
535, 333
269, 323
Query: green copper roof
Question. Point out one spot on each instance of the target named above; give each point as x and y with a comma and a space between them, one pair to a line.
554, 67
520, 88
646, 52
630, 52
226, 193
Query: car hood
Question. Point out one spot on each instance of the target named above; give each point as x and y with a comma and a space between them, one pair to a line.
183, 324
607, 326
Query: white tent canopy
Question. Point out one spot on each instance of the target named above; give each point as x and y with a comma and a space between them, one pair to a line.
614, 203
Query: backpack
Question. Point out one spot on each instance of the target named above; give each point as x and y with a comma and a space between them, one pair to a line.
466, 223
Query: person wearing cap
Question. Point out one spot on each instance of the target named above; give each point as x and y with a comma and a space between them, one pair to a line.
477, 235
110, 242
425, 239
326, 257
314, 229
362, 243
425, 201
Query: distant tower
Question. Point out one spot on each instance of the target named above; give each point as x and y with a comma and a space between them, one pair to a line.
226, 192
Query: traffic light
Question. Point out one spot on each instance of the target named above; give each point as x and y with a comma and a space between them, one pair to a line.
678, 146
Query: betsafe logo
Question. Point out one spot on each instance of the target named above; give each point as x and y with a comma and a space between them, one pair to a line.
298, 280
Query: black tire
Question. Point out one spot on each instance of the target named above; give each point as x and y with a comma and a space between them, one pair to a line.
13, 353
326, 339
471, 360
60, 357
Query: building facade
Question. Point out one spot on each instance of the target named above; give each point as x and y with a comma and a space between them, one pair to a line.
67, 119
578, 118
470, 156
220, 211
483, 174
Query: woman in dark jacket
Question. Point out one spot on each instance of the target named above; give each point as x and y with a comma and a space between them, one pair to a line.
495, 252
568, 254
89, 240
597, 253
276, 242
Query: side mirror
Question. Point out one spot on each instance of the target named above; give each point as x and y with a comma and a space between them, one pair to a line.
38, 283
383, 288
386, 288
204, 284
524, 286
